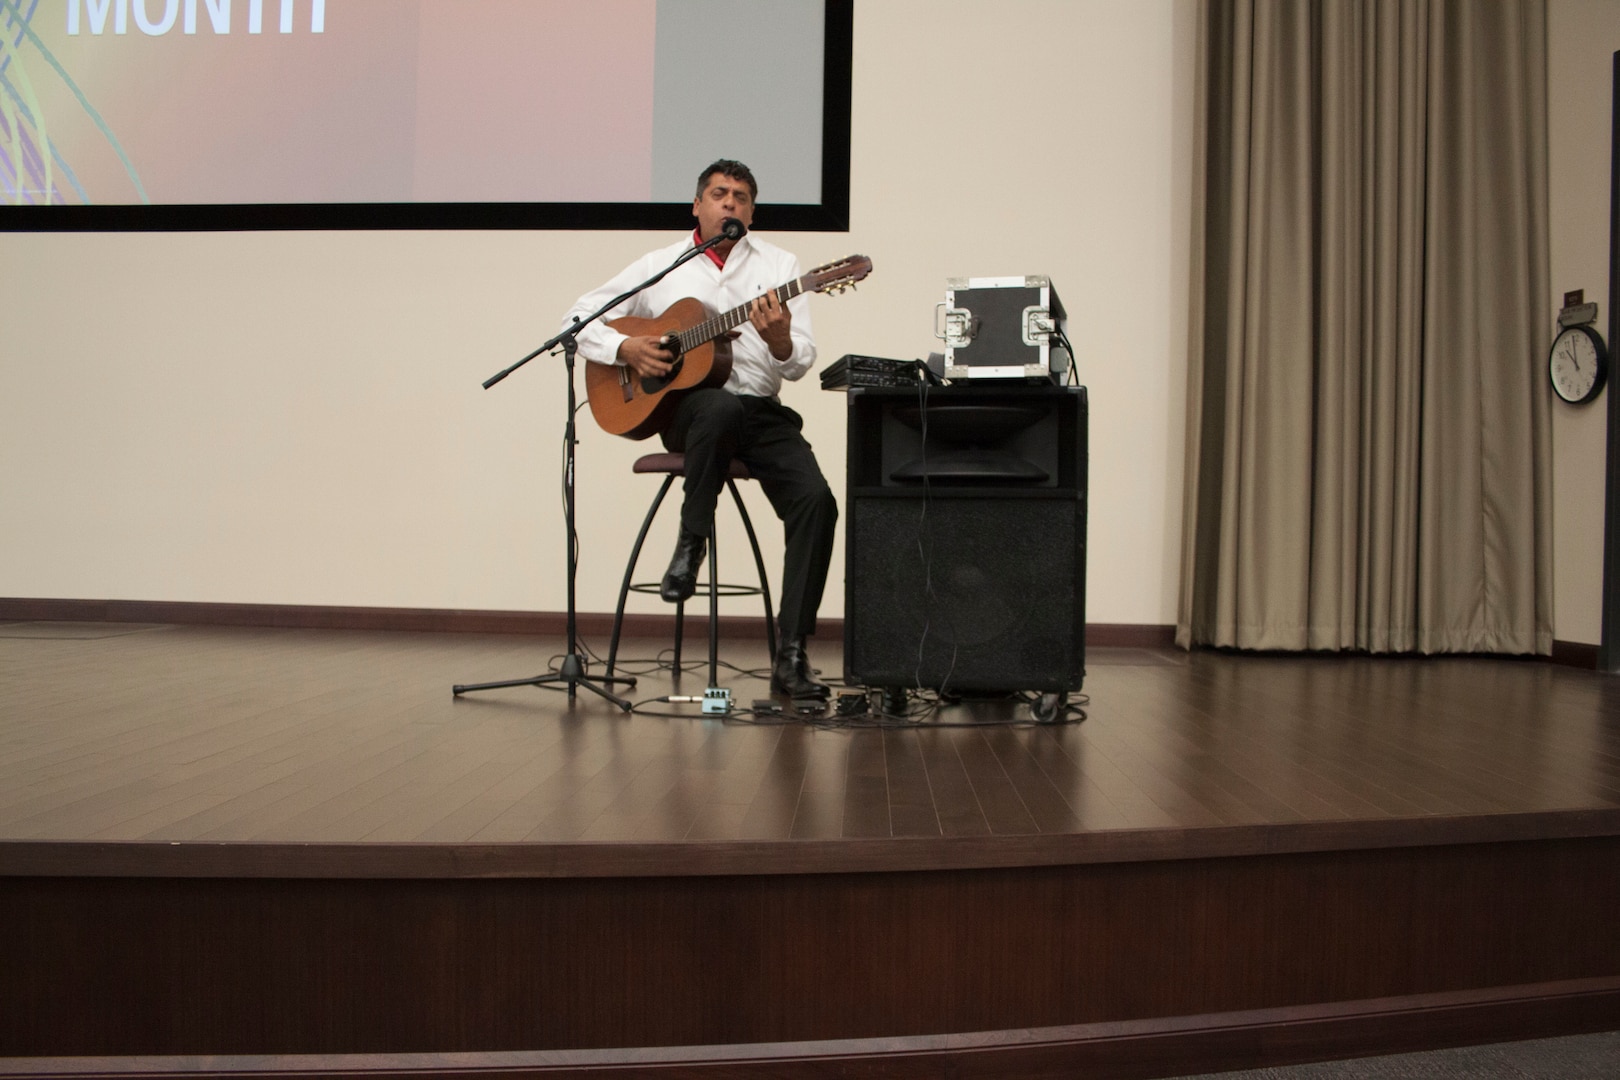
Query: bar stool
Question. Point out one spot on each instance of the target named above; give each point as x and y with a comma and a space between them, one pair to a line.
672, 466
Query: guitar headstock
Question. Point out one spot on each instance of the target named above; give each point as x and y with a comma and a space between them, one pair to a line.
835, 277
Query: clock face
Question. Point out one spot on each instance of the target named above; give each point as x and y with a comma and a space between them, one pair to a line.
1577, 364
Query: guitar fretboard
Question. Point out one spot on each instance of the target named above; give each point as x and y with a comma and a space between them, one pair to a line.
709, 329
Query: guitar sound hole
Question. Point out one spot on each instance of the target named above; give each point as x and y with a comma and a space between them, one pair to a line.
651, 384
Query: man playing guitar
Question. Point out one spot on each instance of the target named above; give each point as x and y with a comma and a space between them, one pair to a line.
743, 419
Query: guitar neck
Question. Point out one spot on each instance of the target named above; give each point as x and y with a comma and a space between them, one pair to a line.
709, 329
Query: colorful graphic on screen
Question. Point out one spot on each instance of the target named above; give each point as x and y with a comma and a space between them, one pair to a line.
192, 102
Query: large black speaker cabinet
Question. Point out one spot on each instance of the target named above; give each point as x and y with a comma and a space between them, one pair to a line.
965, 538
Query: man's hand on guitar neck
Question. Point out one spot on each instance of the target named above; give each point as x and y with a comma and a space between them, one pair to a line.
771, 318
648, 357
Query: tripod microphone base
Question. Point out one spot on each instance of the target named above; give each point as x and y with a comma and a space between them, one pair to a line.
571, 673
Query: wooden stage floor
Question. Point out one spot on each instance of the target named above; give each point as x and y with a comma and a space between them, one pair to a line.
160, 733
224, 850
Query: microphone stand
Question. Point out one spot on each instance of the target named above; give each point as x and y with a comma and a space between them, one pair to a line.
572, 672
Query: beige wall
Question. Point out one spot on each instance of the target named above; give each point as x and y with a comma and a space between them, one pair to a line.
1583, 36
297, 417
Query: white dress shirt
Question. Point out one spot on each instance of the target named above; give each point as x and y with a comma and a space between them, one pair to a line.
753, 268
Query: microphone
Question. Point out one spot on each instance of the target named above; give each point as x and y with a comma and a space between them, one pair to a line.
730, 229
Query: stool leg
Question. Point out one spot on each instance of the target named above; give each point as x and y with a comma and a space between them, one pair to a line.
759, 564
714, 609
630, 569
680, 629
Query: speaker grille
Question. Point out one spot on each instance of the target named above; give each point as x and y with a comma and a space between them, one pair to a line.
966, 593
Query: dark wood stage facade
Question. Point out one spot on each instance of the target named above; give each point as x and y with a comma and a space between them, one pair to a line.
241, 851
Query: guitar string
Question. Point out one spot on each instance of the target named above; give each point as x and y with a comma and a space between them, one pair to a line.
709, 329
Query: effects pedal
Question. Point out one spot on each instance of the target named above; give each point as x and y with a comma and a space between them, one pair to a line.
852, 703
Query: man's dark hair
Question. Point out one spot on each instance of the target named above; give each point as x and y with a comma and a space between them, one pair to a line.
734, 169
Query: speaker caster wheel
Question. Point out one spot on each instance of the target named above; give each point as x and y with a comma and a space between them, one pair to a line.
1048, 707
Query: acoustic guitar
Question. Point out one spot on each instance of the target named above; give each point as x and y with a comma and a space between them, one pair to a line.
627, 404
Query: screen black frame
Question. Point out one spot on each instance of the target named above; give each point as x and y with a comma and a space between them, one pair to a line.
829, 215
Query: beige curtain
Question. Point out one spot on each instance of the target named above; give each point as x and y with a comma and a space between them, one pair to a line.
1369, 455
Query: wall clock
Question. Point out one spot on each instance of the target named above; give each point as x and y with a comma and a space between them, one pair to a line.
1578, 364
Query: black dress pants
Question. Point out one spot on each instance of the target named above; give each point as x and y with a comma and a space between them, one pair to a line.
711, 427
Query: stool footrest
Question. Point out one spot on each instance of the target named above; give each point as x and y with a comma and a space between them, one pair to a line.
652, 588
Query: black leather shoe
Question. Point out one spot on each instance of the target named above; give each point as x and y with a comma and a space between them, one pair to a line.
680, 580
792, 675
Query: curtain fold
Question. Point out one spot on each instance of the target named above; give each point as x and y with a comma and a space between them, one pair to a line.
1369, 454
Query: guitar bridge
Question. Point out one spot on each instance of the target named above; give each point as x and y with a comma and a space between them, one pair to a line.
626, 386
